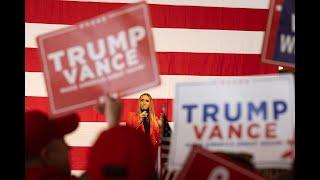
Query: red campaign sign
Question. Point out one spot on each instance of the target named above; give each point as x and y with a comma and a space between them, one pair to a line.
112, 52
203, 164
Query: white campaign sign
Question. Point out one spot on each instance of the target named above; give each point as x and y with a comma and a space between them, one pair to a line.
253, 114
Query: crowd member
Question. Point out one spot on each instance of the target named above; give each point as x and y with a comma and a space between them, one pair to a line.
46, 152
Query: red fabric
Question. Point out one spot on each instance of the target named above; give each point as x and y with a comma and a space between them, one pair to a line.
125, 147
194, 17
154, 131
41, 173
78, 157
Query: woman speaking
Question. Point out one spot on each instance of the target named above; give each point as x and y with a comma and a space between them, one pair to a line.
145, 119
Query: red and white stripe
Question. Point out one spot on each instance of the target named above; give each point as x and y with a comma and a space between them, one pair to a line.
194, 41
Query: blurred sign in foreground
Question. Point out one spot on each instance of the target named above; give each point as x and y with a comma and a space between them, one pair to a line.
113, 52
203, 164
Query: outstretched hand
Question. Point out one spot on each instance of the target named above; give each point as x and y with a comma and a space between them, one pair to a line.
111, 108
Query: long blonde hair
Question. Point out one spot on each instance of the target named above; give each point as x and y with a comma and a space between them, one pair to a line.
152, 115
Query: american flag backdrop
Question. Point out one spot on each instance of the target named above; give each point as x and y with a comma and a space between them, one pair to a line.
194, 40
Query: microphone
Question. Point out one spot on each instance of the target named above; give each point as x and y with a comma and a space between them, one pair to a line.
145, 122
145, 110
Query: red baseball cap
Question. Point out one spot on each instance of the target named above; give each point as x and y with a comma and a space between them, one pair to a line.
40, 130
124, 147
